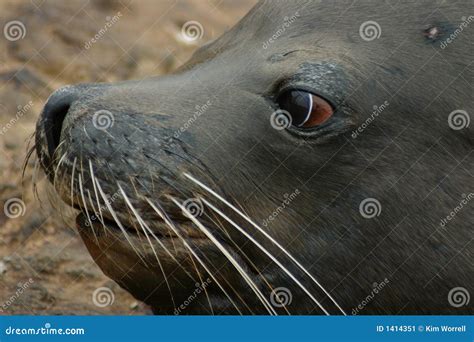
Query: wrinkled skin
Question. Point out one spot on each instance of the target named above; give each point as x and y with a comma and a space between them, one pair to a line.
408, 158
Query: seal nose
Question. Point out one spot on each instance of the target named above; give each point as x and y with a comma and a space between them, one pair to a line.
54, 113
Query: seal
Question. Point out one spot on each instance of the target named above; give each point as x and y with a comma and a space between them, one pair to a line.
315, 159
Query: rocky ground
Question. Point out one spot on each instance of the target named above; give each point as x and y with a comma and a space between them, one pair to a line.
44, 267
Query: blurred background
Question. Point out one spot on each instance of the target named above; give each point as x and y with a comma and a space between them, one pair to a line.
44, 267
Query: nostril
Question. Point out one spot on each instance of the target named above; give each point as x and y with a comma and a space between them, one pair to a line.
53, 116
53, 126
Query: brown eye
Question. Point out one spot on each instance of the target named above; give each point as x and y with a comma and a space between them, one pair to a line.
307, 110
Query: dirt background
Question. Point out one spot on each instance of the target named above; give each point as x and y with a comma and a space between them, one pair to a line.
44, 267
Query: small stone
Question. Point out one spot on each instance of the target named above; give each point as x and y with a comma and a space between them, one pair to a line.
3, 268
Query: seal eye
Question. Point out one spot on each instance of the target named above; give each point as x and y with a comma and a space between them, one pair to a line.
307, 110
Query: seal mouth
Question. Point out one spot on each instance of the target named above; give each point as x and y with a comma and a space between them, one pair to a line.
89, 223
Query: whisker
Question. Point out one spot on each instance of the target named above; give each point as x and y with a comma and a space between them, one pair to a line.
164, 217
267, 236
81, 190
264, 250
72, 179
216, 221
91, 169
140, 222
57, 169
119, 224
226, 253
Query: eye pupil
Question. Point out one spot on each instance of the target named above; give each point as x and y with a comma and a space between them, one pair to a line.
298, 104
306, 109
